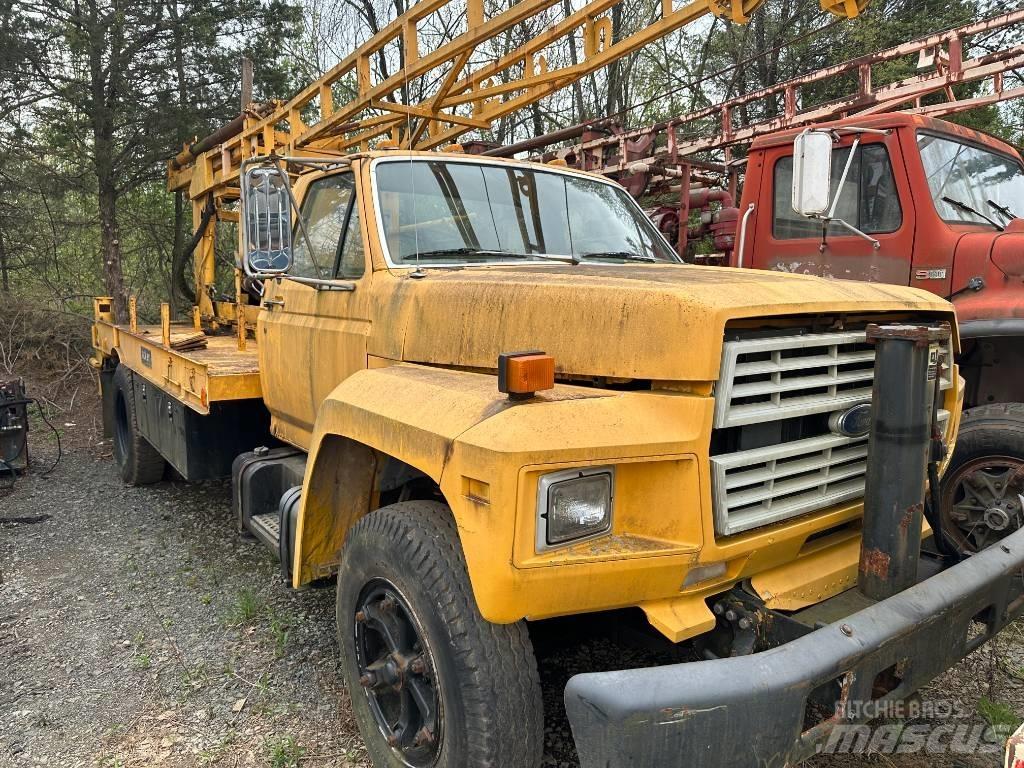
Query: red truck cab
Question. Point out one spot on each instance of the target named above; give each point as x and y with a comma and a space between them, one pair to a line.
937, 204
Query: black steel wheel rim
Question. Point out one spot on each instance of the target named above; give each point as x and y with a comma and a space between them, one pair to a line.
982, 501
397, 674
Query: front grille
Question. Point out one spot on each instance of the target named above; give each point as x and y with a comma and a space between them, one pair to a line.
794, 379
765, 485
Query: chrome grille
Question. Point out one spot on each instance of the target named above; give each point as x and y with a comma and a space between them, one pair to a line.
784, 377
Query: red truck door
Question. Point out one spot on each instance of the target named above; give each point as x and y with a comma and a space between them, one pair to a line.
875, 199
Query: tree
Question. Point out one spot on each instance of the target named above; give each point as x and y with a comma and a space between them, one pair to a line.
110, 115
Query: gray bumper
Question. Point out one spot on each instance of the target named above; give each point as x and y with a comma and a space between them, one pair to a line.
749, 710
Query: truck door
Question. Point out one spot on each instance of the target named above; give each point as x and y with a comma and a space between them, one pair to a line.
875, 199
311, 338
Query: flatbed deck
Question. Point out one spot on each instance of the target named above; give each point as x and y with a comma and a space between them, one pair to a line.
218, 372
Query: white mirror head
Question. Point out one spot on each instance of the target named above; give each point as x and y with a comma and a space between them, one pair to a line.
267, 221
812, 172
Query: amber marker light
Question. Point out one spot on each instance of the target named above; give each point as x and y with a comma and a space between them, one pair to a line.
521, 374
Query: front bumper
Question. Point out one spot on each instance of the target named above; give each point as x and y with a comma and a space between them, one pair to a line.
750, 710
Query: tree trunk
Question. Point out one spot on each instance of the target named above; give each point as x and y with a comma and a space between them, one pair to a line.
5, 282
110, 246
182, 294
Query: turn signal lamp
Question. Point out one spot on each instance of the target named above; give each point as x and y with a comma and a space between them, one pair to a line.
521, 374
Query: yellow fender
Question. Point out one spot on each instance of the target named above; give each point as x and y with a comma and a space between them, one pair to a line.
485, 452
410, 412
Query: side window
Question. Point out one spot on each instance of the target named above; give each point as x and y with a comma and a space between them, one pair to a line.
323, 216
352, 260
869, 200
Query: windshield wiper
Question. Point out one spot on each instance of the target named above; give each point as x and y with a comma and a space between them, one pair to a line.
444, 253
625, 255
1010, 215
542, 257
969, 209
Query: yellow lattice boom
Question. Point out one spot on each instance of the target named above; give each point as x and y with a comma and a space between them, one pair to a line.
347, 109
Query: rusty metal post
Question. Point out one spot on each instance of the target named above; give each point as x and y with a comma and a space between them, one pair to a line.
901, 402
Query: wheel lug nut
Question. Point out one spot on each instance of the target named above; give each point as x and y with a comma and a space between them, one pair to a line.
424, 736
393, 740
360, 616
387, 604
368, 680
417, 666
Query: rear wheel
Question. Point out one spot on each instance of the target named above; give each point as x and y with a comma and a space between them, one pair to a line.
432, 682
982, 496
138, 462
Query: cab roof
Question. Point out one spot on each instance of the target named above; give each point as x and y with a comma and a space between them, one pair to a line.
394, 154
890, 121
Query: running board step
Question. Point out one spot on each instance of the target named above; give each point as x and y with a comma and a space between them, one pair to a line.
267, 493
267, 528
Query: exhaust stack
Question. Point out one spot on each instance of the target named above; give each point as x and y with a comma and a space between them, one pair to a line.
906, 362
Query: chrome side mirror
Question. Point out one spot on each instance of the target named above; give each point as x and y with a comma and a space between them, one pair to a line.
267, 221
812, 172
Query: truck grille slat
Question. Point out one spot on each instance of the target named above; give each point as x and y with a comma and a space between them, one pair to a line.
802, 383
771, 379
798, 363
796, 406
793, 467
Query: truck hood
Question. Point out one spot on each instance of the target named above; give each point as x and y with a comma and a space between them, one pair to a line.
998, 259
659, 322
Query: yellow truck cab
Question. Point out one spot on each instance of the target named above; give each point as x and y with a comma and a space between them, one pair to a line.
479, 393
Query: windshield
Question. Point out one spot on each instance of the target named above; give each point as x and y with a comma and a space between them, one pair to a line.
969, 184
438, 212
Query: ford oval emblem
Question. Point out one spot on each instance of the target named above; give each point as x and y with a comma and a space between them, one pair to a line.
853, 422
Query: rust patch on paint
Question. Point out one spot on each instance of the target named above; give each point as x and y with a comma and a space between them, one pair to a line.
875, 562
909, 515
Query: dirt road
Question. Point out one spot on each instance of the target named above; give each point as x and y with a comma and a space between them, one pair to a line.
138, 628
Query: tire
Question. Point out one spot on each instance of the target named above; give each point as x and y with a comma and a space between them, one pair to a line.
483, 675
986, 471
138, 462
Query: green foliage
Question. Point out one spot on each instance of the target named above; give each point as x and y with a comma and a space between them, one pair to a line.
999, 715
284, 752
95, 97
247, 606
104, 94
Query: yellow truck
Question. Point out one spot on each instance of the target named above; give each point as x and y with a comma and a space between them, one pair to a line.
485, 392
480, 393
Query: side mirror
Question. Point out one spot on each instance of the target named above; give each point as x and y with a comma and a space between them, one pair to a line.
812, 172
267, 225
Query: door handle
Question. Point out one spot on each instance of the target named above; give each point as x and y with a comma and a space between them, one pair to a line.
271, 303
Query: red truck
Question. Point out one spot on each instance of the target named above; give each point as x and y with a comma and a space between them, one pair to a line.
932, 205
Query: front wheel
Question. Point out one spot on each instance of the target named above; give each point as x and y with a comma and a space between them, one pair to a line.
982, 497
432, 682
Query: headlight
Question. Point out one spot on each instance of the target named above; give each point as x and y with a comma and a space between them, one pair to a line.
574, 504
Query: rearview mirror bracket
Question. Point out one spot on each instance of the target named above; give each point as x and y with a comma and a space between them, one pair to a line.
812, 178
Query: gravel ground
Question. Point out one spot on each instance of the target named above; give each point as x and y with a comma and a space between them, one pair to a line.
138, 628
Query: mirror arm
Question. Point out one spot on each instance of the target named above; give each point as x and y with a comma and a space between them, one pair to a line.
857, 232
298, 213
842, 180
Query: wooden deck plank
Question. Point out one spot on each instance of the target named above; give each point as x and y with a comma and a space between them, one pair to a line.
221, 357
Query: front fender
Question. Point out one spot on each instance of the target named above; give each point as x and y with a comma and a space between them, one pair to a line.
485, 452
410, 412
